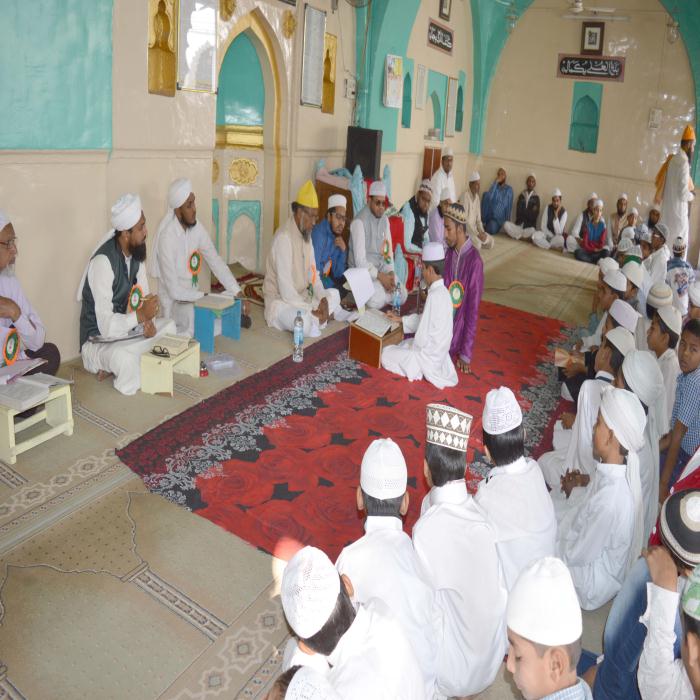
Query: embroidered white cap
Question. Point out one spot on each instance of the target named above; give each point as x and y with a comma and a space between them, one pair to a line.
383, 473
616, 280
310, 588
543, 606
627, 233
633, 271
308, 684
624, 314
377, 189
337, 200
660, 295
502, 411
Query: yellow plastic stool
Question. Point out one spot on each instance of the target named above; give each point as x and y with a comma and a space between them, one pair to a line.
157, 372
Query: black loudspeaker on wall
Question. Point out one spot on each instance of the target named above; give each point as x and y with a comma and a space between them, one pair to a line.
364, 148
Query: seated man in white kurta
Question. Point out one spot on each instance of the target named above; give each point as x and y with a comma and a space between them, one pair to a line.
427, 355
552, 225
371, 247
292, 282
115, 300
602, 536
181, 243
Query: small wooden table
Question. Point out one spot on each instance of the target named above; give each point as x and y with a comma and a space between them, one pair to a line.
157, 372
367, 347
56, 412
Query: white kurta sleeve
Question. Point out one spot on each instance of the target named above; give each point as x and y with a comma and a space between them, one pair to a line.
660, 675
167, 260
359, 253
410, 323
576, 228
29, 326
283, 267
216, 264
100, 277
685, 194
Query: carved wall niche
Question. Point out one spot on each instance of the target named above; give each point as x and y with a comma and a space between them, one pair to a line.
162, 47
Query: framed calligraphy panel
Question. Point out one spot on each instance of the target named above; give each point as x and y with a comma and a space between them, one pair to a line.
440, 37
591, 68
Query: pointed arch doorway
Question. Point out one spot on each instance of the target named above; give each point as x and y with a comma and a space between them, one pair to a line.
247, 170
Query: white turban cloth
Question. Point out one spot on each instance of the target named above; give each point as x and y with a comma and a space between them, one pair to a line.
624, 415
643, 375
125, 214
178, 192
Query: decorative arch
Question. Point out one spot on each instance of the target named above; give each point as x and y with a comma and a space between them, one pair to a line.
251, 209
407, 102
585, 117
263, 38
437, 111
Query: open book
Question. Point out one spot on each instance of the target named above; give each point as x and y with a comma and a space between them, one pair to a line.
174, 344
11, 372
375, 322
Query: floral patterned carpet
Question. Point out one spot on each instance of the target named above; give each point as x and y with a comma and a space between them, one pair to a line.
275, 458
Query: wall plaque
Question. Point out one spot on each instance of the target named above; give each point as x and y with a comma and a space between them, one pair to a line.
440, 37
599, 68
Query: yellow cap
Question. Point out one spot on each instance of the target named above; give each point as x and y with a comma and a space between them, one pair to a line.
688, 134
307, 196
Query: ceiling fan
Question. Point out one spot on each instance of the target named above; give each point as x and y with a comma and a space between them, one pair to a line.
576, 7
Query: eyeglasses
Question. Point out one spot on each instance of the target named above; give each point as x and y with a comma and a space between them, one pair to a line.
160, 351
340, 217
12, 243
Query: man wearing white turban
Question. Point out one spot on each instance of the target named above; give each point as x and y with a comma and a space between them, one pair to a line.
602, 537
21, 328
115, 300
181, 243
640, 373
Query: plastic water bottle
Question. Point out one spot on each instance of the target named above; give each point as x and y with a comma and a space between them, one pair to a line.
396, 300
298, 353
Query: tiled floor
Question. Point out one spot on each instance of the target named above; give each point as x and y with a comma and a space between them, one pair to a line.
107, 591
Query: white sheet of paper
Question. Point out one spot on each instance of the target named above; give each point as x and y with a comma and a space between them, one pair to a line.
341, 314
361, 284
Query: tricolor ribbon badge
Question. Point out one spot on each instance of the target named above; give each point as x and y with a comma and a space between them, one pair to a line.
456, 291
11, 347
387, 252
194, 266
135, 297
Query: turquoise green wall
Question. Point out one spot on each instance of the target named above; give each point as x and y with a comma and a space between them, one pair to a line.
56, 74
241, 98
585, 117
437, 85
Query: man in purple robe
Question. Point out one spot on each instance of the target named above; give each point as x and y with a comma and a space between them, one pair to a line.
464, 278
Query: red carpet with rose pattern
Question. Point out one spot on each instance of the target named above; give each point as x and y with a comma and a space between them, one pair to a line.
277, 455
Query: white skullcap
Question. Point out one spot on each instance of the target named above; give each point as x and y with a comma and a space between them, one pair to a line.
591, 196
598, 203
308, 684
623, 196
377, 189
310, 588
447, 153
662, 229
433, 251
624, 314
672, 317
643, 375
633, 272
445, 194
556, 192
694, 294
660, 295
4, 219
447, 426
624, 415
655, 207
126, 212
635, 251
678, 243
425, 186
634, 211
543, 606
178, 192
622, 339
616, 280
627, 233
337, 200
645, 236
383, 473
624, 245
474, 177
501, 412
608, 265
